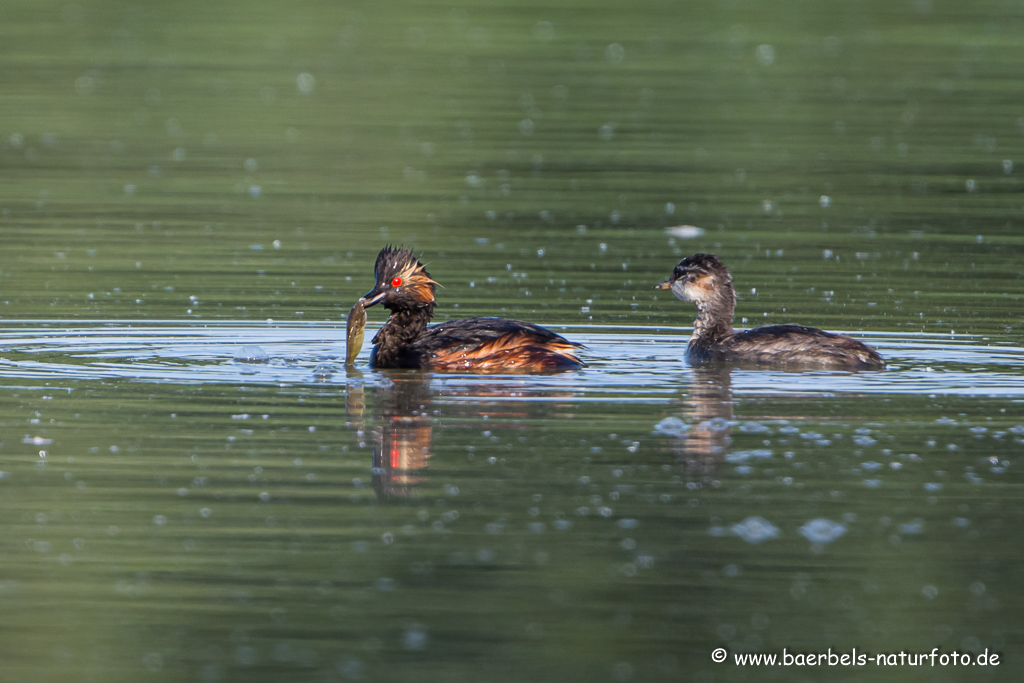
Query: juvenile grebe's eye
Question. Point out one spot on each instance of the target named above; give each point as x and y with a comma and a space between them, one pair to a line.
397, 282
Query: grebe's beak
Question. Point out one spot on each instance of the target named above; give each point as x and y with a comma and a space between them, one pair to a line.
373, 297
667, 284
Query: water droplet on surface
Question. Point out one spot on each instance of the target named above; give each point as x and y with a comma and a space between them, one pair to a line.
251, 353
672, 426
822, 530
305, 83
615, 53
755, 530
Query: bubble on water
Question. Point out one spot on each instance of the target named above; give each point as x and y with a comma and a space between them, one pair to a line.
160, 520
526, 127
686, 232
933, 487
305, 83
743, 456
765, 55
715, 424
615, 53
628, 523
822, 530
415, 638
251, 353
971, 185
753, 428
322, 372
912, 528
672, 426
385, 585
755, 530
873, 483
824, 201
930, 592
607, 131
864, 440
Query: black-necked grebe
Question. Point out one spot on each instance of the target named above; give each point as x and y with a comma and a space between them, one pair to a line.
484, 345
702, 280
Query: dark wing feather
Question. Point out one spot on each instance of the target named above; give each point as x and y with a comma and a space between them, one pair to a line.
798, 345
494, 345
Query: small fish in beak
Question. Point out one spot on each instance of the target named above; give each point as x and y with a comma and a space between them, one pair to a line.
356, 327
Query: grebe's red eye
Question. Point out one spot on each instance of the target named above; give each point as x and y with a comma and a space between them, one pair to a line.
397, 282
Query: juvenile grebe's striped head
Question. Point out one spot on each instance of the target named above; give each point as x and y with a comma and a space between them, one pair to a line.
701, 279
402, 281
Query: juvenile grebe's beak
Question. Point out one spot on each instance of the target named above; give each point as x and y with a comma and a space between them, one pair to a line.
667, 284
373, 297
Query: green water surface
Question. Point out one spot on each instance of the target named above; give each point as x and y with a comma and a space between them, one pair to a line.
858, 166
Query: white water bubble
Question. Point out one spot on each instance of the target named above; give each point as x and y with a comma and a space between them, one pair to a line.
251, 353
822, 531
672, 426
755, 530
615, 53
305, 83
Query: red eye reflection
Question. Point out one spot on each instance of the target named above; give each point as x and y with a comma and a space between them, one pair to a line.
397, 282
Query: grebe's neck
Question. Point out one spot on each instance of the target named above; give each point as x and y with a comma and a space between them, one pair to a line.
402, 328
715, 311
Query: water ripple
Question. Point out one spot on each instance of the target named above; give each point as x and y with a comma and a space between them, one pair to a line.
625, 363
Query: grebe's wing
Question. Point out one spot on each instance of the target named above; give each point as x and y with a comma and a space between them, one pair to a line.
503, 341
475, 331
799, 345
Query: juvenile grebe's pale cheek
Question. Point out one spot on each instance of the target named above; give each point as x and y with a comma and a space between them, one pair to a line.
682, 289
693, 291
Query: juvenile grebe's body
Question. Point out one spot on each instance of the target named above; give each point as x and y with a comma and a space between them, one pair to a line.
702, 280
485, 345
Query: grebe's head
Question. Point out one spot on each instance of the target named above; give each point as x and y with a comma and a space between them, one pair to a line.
700, 278
402, 281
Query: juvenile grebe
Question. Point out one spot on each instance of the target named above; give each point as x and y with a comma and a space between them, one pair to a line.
704, 281
485, 345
